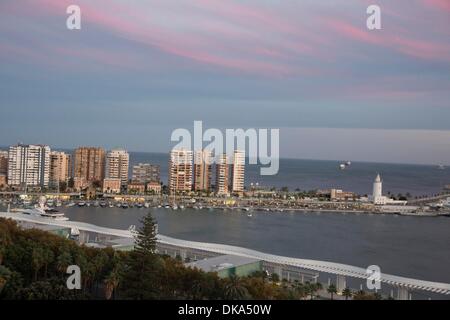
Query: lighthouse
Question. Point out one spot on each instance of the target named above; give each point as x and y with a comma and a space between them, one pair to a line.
377, 194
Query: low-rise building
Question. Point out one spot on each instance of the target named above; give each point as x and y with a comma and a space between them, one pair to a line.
153, 187
3, 181
136, 187
228, 265
340, 195
112, 185
80, 183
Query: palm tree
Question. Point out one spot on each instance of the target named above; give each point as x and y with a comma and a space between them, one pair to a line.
37, 260
111, 283
332, 290
347, 293
234, 289
48, 258
63, 261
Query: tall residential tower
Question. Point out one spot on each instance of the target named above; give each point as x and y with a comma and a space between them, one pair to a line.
202, 170
29, 166
117, 164
238, 173
180, 171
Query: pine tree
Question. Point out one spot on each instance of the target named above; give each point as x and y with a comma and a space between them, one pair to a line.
143, 271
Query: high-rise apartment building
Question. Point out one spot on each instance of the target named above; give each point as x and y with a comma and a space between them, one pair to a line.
222, 175
4, 162
146, 172
59, 168
89, 164
29, 166
117, 164
202, 170
238, 173
180, 171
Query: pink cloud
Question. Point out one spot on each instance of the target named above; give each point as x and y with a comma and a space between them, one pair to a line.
401, 43
438, 4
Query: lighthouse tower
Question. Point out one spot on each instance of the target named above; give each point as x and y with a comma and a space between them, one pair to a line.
377, 191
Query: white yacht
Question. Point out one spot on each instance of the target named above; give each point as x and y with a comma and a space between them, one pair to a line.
44, 212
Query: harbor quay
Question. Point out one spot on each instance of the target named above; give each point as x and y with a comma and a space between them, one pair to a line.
433, 206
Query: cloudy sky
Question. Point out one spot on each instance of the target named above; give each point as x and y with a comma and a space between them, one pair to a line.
140, 68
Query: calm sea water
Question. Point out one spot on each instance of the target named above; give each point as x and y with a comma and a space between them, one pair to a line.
315, 174
417, 247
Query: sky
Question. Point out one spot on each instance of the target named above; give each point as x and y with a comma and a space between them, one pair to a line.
139, 69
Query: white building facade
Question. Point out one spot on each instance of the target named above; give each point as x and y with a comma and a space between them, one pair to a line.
238, 173
29, 166
117, 165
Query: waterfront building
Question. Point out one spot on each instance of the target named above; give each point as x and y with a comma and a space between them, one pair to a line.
340, 195
4, 162
29, 166
222, 173
3, 181
135, 187
59, 168
89, 164
228, 265
180, 171
238, 172
112, 185
80, 183
202, 170
146, 172
117, 163
153, 187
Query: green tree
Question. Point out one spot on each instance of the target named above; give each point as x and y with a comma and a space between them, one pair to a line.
142, 273
332, 290
37, 260
234, 289
63, 261
111, 283
347, 293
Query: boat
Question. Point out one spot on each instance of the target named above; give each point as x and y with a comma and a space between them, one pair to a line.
96, 204
45, 212
139, 205
125, 206
342, 166
71, 204
249, 215
111, 205
147, 205
81, 204
103, 204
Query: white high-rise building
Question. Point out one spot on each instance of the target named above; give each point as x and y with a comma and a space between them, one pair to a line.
180, 171
117, 164
29, 166
238, 173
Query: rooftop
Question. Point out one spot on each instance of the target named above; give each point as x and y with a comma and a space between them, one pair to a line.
221, 262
